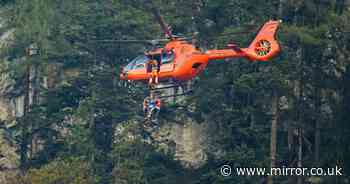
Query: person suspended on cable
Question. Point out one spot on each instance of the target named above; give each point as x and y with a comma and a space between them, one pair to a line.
153, 107
157, 106
145, 106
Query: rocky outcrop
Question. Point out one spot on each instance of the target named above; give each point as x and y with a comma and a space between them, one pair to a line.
11, 105
11, 100
191, 143
9, 159
186, 139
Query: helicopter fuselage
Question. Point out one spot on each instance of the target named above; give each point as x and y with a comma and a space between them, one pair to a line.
182, 61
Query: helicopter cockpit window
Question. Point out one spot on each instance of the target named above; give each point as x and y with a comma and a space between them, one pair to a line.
138, 62
167, 57
140, 65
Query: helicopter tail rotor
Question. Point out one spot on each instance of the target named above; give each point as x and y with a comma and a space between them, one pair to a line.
264, 46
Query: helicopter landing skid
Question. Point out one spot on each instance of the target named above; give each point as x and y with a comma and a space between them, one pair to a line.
189, 92
176, 86
165, 87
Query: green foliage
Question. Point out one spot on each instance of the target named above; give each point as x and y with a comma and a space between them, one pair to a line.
71, 170
78, 112
144, 164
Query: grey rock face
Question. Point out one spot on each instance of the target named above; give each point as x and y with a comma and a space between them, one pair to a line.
9, 159
10, 106
190, 143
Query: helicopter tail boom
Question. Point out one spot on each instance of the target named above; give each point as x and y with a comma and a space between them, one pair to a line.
224, 54
263, 47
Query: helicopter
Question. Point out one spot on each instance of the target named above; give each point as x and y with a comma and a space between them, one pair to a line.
181, 60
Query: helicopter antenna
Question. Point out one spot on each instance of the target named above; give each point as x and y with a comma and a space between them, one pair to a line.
159, 18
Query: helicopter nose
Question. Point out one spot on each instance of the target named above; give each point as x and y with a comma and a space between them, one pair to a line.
123, 76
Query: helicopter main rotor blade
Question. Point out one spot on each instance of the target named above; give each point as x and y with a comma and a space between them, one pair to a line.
152, 42
160, 19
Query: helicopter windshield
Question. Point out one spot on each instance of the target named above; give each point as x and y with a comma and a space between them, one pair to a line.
138, 62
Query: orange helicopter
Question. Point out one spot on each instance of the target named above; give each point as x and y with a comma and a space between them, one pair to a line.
180, 60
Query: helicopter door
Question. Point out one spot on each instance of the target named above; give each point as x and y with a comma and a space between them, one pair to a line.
167, 59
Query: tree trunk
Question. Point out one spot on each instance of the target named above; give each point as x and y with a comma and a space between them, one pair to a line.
290, 137
34, 91
24, 121
273, 140
339, 6
52, 75
280, 8
317, 126
299, 114
300, 153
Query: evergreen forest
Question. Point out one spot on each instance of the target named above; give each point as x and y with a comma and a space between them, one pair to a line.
66, 117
